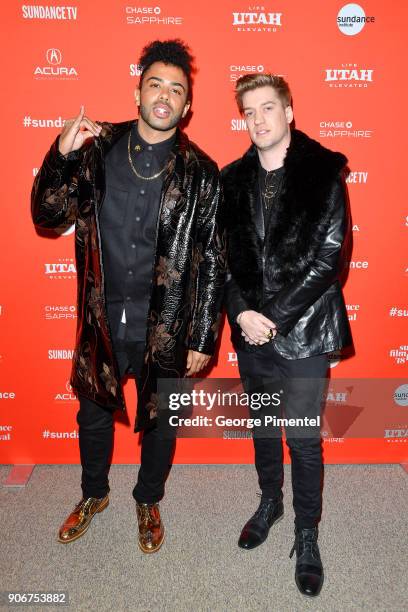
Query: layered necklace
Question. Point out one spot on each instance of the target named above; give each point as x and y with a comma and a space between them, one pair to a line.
145, 178
271, 186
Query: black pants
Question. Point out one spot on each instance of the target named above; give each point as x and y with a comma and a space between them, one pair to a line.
301, 398
96, 442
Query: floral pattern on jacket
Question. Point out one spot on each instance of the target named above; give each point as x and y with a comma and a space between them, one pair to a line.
188, 272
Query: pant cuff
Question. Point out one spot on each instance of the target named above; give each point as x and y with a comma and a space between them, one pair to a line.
268, 494
306, 523
146, 498
95, 493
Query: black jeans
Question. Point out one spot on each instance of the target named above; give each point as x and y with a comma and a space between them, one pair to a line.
96, 442
301, 398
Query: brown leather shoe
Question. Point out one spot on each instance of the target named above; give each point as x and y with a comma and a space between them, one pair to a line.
79, 520
151, 530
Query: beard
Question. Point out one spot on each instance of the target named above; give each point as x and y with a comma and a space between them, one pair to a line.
157, 124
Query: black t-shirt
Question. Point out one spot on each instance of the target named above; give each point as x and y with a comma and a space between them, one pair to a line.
269, 189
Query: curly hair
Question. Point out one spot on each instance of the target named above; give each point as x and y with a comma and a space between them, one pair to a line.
174, 52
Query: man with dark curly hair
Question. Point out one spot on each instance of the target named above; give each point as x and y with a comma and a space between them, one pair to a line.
150, 263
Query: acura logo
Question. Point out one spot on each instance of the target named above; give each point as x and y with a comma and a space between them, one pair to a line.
54, 56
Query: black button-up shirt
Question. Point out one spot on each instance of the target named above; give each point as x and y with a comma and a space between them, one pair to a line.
128, 222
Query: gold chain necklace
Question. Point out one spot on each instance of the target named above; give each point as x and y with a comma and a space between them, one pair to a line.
145, 178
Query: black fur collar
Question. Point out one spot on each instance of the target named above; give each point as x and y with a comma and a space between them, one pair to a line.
298, 222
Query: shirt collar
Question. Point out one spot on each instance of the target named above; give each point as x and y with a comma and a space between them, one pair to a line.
158, 148
278, 172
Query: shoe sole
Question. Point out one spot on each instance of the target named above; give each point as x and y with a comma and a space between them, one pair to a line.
149, 551
78, 535
260, 544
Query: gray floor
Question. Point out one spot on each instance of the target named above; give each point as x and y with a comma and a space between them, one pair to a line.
363, 542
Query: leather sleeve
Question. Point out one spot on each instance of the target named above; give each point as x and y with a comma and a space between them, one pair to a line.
54, 192
234, 302
287, 306
210, 243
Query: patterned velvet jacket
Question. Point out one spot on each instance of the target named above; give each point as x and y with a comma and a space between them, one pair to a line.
187, 273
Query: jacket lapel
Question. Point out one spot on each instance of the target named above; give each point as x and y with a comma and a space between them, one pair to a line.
248, 208
259, 219
111, 132
245, 253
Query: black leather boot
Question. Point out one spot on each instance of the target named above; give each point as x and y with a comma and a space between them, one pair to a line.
256, 530
309, 569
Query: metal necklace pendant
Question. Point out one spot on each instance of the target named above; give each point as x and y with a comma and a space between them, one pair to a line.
271, 187
145, 178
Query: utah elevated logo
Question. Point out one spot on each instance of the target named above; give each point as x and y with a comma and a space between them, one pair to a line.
348, 75
257, 19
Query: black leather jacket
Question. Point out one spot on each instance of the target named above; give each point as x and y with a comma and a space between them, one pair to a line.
292, 275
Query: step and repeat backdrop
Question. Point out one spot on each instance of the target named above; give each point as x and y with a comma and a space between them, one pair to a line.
346, 67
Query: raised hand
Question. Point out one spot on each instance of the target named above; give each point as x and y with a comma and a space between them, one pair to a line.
76, 131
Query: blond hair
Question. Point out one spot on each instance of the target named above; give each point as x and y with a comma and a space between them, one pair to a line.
251, 81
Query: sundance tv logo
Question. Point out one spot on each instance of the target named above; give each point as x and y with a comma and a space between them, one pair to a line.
351, 19
348, 76
238, 125
60, 354
257, 19
59, 13
135, 70
55, 70
357, 177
